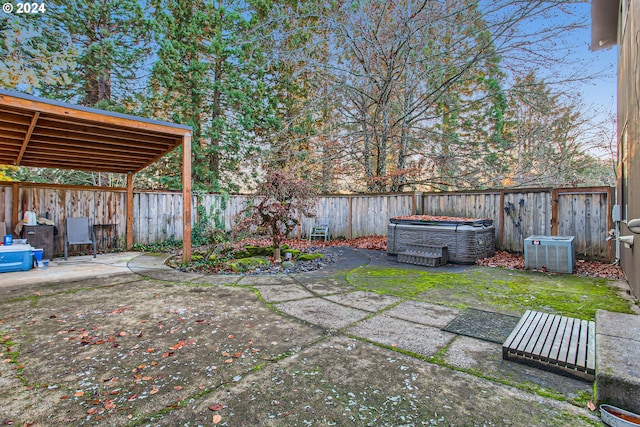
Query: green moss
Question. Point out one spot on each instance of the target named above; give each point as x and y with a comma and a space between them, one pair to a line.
246, 264
294, 252
309, 257
505, 290
582, 398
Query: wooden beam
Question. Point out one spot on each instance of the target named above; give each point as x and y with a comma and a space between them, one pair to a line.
129, 231
27, 137
74, 112
186, 198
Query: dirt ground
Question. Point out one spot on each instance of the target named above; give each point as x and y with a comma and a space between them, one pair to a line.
155, 348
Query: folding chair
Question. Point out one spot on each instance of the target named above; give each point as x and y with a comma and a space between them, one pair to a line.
78, 234
320, 229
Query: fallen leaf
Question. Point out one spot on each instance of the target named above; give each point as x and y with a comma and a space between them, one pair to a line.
92, 411
216, 407
230, 337
64, 397
177, 387
154, 389
591, 406
78, 393
110, 405
237, 354
228, 361
179, 345
147, 378
216, 419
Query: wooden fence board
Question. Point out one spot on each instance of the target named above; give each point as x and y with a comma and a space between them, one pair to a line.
583, 213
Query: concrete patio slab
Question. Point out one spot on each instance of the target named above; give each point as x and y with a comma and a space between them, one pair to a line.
280, 293
424, 313
367, 301
424, 340
327, 286
471, 354
323, 313
280, 279
318, 388
618, 363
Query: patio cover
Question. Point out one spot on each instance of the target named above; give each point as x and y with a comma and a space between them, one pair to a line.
43, 133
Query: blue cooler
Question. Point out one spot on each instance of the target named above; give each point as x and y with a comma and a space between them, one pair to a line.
16, 258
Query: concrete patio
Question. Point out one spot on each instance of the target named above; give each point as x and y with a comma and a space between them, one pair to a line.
306, 349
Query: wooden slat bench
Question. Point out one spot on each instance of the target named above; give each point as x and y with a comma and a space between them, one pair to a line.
427, 255
556, 343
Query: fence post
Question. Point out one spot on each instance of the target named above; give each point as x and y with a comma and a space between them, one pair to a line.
350, 217
501, 219
610, 224
414, 203
554, 211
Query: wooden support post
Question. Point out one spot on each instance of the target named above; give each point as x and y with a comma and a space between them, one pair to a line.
15, 199
501, 219
186, 197
554, 212
129, 227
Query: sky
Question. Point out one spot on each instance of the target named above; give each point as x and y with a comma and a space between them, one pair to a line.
599, 94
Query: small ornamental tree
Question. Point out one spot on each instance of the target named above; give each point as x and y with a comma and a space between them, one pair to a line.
280, 200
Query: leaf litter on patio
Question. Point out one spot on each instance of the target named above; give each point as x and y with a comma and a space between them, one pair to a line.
119, 356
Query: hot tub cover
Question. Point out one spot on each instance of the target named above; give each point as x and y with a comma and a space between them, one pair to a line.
440, 220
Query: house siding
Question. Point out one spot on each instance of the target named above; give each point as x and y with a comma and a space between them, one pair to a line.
629, 136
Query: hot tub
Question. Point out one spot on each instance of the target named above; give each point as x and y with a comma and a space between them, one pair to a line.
467, 239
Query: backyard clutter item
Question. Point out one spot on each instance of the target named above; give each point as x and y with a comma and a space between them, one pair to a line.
30, 218
37, 254
320, 229
427, 255
8, 240
467, 239
616, 417
560, 344
16, 258
550, 253
79, 233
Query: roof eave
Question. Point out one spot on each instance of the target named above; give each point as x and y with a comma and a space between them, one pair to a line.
604, 24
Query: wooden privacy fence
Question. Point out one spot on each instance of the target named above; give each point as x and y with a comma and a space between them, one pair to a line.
157, 216
581, 212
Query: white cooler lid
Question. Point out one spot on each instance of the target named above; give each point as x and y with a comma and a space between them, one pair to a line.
16, 248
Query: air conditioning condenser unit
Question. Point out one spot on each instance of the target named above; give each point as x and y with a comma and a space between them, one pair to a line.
551, 253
